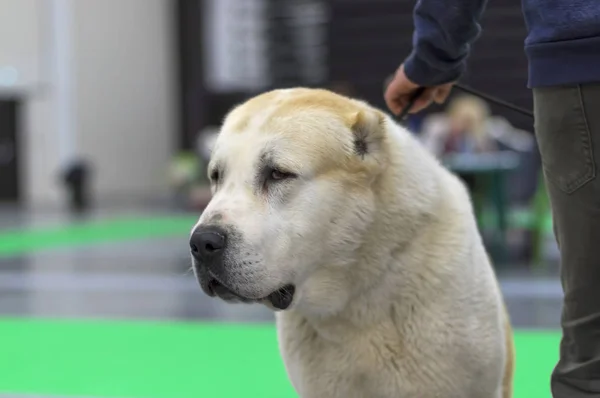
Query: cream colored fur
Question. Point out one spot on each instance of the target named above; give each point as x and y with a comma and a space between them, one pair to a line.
395, 295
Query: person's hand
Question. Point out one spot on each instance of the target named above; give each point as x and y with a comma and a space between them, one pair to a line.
400, 89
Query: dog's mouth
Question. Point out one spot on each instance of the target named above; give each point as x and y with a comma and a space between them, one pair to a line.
280, 299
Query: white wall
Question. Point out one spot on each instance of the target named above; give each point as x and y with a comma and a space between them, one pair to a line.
19, 45
125, 92
116, 106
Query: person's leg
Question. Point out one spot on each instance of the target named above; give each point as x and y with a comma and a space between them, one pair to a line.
568, 133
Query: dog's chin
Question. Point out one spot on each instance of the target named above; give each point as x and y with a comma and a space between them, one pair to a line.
279, 300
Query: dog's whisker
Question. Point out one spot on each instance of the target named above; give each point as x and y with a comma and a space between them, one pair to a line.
188, 271
286, 290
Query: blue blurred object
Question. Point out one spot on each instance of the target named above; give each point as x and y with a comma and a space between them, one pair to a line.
415, 122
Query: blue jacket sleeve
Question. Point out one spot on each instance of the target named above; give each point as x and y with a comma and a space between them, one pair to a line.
444, 32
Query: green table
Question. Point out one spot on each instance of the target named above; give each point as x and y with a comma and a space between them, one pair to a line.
490, 170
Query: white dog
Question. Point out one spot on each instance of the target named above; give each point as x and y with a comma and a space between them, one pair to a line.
326, 210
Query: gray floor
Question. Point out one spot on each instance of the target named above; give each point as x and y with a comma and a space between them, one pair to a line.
151, 279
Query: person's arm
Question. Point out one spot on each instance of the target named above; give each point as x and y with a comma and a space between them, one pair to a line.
444, 32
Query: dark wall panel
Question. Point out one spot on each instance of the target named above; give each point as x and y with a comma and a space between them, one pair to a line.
9, 164
369, 38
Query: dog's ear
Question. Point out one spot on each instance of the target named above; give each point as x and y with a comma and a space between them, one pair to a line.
369, 135
368, 129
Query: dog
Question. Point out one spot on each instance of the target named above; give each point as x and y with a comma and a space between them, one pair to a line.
330, 213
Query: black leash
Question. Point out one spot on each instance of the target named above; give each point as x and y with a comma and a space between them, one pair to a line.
411, 102
418, 92
494, 100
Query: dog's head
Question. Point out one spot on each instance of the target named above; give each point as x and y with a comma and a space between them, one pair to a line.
292, 175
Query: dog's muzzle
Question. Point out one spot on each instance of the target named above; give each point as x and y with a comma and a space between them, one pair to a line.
208, 245
280, 299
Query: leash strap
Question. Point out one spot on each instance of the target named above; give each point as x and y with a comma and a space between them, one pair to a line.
411, 102
494, 100
466, 89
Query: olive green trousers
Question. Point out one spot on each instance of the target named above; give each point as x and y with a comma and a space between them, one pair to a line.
567, 128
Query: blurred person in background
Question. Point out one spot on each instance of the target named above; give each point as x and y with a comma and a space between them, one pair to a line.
467, 126
463, 128
563, 49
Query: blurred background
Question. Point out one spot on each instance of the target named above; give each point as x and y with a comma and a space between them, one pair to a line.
108, 109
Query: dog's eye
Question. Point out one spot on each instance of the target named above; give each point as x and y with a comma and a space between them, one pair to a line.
277, 175
214, 176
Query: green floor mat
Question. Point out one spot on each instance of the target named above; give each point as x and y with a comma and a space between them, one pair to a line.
172, 360
24, 241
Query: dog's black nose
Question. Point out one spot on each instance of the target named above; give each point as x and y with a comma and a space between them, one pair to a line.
208, 242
